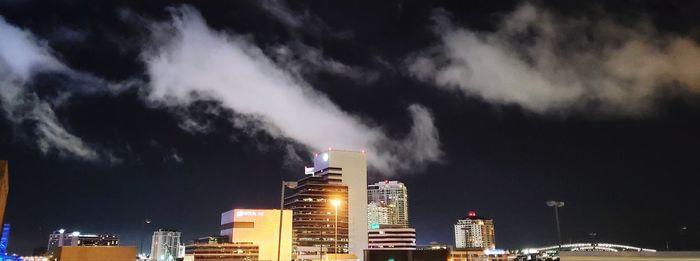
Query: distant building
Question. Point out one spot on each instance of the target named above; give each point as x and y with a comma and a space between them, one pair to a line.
221, 251
337, 175
165, 245
378, 214
393, 195
480, 255
95, 253
475, 232
61, 238
392, 237
212, 240
4, 189
260, 227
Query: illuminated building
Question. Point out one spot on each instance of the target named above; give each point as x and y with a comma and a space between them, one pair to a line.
61, 238
225, 251
337, 175
378, 214
392, 237
260, 227
480, 255
394, 195
4, 189
475, 232
165, 245
94, 253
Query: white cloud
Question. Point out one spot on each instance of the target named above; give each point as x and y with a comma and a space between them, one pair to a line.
189, 61
548, 63
21, 56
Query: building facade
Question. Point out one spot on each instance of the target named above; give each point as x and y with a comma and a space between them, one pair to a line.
392, 237
260, 227
337, 175
221, 251
165, 245
95, 253
61, 238
394, 195
475, 232
378, 214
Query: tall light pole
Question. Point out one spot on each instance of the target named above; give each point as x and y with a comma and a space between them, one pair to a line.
336, 204
285, 184
556, 205
143, 224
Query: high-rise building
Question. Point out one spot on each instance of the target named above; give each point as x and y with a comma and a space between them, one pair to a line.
475, 232
61, 238
166, 245
314, 217
222, 251
392, 237
378, 214
260, 227
4, 189
394, 195
337, 175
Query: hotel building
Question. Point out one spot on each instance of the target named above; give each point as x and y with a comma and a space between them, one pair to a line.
393, 195
260, 227
337, 175
165, 245
475, 232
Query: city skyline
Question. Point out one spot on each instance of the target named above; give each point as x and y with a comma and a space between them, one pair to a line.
119, 112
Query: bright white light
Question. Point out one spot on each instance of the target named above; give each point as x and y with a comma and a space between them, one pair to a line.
75, 233
325, 157
61, 230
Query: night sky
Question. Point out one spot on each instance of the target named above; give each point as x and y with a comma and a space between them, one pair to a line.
114, 112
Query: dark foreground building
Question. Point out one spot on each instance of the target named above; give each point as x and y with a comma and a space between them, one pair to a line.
407, 255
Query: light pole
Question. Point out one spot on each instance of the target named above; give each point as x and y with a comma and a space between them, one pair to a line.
285, 184
336, 203
143, 224
556, 205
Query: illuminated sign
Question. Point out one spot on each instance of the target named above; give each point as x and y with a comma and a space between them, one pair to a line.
248, 213
308, 171
374, 226
471, 214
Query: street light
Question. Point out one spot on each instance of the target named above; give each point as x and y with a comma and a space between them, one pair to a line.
336, 204
143, 224
556, 205
285, 184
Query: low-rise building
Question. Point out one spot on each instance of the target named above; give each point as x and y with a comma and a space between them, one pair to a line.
95, 253
224, 251
392, 237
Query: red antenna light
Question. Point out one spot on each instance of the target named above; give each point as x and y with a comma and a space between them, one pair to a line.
471, 214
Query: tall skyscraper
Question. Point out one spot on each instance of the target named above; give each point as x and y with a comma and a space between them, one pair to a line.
337, 175
475, 232
394, 195
260, 227
165, 245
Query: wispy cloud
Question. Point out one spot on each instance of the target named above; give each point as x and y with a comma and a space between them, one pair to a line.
188, 61
22, 55
548, 63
